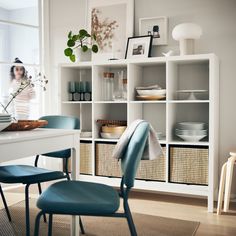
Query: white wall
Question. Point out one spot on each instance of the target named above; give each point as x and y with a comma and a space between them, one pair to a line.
217, 18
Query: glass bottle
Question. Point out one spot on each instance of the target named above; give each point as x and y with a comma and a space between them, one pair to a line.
118, 87
125, 89
107, 89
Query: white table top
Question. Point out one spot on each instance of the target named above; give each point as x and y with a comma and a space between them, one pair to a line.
14, 136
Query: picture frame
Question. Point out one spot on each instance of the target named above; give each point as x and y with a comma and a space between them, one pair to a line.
139, 47
119, 14
156, 26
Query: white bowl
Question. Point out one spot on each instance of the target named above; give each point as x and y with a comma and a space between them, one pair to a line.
151, 92
190, 132
192, 138
110, 135
191, 125
4, 125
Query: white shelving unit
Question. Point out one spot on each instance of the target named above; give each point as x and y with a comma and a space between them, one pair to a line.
173, 73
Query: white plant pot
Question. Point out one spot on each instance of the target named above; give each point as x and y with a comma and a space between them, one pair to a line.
83, 56
186, 46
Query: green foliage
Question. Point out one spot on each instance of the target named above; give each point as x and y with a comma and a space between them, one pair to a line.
80, 40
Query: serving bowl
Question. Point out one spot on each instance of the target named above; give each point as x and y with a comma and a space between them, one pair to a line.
191, 125
192, 138
151, 92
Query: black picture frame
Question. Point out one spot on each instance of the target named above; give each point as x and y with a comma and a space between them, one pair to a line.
138, 37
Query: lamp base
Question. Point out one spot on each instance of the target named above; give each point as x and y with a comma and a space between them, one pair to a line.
186, 46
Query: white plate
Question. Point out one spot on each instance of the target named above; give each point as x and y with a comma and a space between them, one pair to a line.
190, 132
86, 134
151, 92
110, 135
192, 138
191, 91
4, 125
191, 125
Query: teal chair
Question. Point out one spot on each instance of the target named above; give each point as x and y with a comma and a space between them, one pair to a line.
25, 174
92, 199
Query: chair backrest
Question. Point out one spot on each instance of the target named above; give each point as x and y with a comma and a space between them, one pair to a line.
133, 154
61, 122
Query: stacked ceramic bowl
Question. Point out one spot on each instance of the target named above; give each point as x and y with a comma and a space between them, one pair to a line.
112, 131
191, 131
5, 121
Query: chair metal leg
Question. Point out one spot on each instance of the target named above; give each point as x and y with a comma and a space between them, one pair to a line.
130, 219
5, 204
37, 223
81, 225
50, 225
40, 192
27, 213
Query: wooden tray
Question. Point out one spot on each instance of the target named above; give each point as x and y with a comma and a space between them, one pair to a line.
156, 97
22, 125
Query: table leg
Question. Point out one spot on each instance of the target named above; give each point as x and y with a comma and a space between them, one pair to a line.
221, 188
75, 229
228, 181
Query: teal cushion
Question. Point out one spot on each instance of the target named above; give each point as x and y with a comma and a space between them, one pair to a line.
27, 174
79, 198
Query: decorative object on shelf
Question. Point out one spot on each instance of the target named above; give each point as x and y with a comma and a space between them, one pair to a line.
139, 47
191, 131
22, 125
79, 46
118, 92
155, 26
186, 33
154, 92
192, 94
161, 136
76, 96
86, 134
112, 129
5, 121
82, 89
88, 91
71, 90
168, 54
26, 82
112, 22
108, 86
125, 88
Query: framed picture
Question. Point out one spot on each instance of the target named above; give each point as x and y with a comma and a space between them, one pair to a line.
155, 26
139, 47
112, 22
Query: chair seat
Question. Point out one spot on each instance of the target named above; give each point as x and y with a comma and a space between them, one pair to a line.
79, 198
27, 174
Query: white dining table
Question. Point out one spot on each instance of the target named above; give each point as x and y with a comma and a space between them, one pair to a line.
16, 145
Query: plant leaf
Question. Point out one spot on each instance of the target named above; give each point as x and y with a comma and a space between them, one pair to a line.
72, 58
74, 37
83, 32
95, 48
95, 37
84, 48
70, 43
69, 35
68, 52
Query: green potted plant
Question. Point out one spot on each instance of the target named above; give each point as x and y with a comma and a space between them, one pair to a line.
80, 46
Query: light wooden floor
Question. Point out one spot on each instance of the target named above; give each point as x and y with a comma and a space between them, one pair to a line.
173, 207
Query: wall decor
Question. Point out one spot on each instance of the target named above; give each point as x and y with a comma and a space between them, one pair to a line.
139, 47
112, 22
155, 26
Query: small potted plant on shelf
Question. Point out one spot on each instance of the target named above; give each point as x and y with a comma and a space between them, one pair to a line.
80, 46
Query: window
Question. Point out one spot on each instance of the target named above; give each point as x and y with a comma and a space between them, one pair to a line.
20, 38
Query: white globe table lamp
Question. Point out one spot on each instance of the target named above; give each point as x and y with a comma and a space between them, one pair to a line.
186, 33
